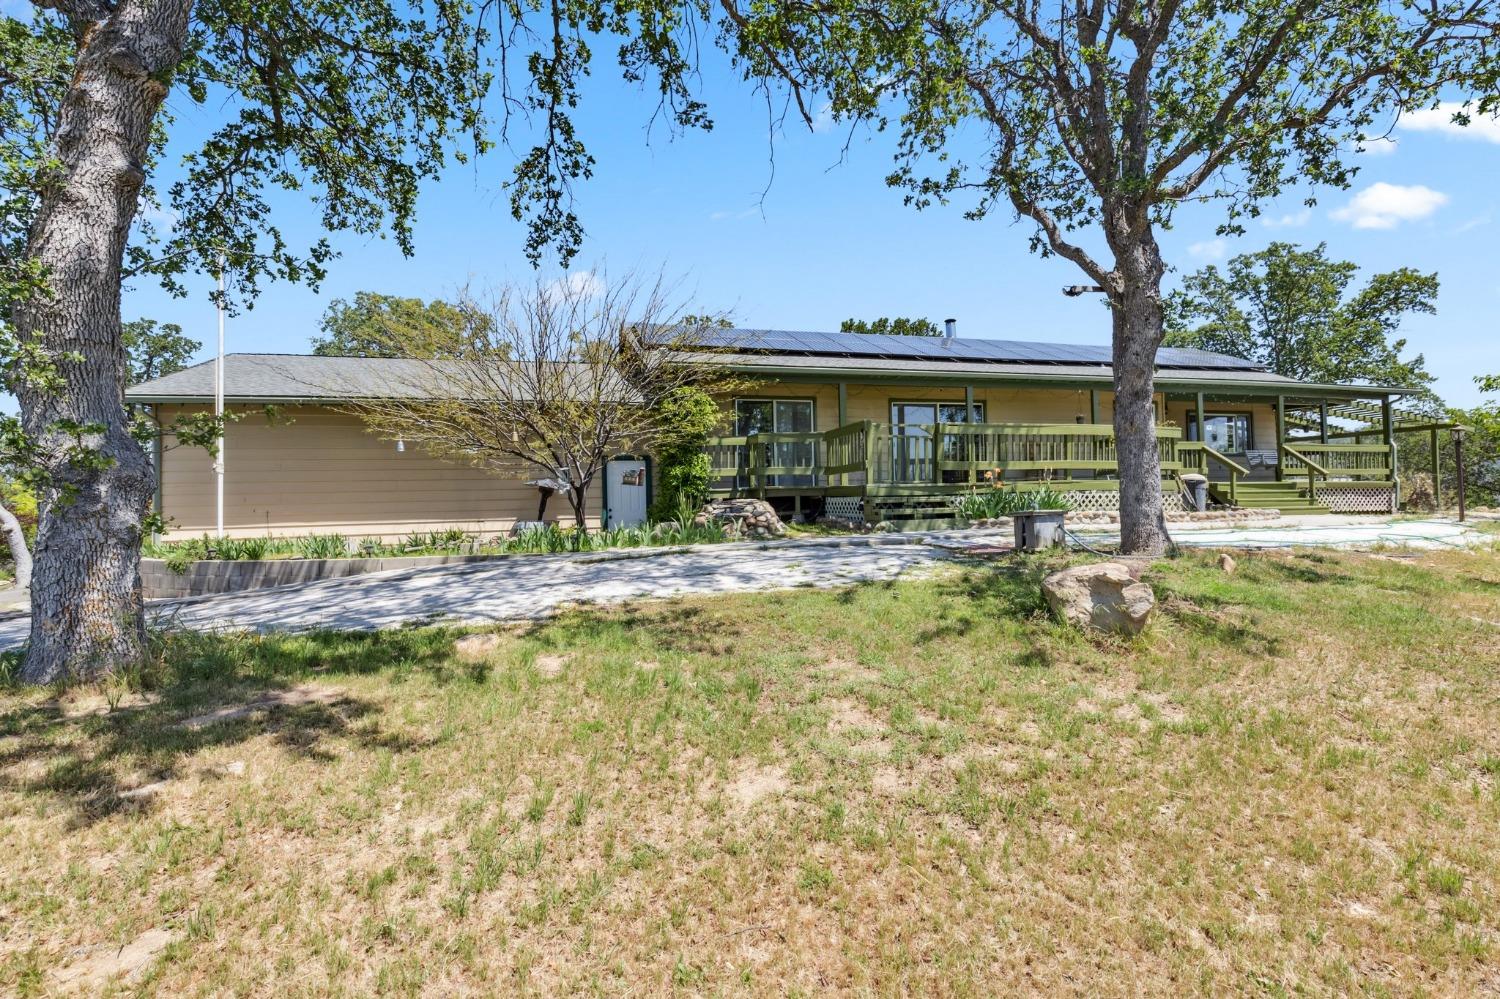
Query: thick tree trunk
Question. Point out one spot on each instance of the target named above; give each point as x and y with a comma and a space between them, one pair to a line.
1138, 318
19, 553
86, 591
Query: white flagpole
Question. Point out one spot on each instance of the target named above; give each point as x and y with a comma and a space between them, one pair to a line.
219, 411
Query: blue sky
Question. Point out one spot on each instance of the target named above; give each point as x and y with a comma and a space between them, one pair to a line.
822, 238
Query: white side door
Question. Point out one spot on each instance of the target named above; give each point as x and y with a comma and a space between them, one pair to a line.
627, 492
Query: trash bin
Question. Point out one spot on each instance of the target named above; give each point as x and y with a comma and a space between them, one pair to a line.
1197, 488
1038, 529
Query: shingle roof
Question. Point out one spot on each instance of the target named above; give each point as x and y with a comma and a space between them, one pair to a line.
287, 377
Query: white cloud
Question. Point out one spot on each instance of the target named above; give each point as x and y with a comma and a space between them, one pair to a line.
1474, 223
1377, 146
1211, 249
584, 284
1288, 221
1385, 206
1440, 120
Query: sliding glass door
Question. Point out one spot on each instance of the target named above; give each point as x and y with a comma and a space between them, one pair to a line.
780, 416
912, 448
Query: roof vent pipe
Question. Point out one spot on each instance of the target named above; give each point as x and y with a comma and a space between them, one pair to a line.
950, 328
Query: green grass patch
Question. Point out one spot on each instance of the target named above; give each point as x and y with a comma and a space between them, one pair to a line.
1287, 785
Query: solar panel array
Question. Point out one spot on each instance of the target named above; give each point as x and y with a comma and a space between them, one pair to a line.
926, 348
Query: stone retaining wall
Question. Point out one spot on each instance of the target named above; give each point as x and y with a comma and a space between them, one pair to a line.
212, 576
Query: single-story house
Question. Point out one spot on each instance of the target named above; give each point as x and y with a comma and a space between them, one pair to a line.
880, 427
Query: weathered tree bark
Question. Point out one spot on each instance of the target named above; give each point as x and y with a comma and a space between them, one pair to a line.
19, 553
578, 499
1136, 305
86, 611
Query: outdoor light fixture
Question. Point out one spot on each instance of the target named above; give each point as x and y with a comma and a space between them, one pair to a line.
400, 445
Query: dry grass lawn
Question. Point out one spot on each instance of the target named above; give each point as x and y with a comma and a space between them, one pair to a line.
1287, 786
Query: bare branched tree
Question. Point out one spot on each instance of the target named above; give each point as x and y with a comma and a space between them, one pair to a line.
546, 381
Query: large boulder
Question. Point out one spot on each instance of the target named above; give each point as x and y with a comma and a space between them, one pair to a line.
1104, 596
742, 518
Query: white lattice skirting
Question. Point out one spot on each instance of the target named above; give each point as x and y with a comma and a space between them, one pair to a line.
1082, 500
1356, 499
844, 507
1087, 500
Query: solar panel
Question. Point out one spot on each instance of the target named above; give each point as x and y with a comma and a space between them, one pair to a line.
939, 348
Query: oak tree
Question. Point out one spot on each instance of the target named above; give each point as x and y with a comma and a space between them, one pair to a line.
1093, 121
1293, 310
376, 325
354, 102
893, 325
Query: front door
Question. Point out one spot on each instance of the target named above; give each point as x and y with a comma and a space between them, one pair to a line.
626, 482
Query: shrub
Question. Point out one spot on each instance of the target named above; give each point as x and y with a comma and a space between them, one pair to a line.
689, 415
1417, 492
323, 546
998, 501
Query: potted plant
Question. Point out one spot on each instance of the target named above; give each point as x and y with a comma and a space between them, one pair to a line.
1039, 523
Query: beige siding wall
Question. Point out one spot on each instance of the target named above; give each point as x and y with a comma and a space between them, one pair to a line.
1001, 405
314, 470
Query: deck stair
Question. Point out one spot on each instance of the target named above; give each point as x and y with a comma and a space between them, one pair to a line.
1288, 497
915, 512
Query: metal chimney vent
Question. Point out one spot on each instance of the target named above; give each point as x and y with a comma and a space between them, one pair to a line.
950, 328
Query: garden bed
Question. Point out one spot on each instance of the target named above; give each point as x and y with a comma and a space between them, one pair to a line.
204, 566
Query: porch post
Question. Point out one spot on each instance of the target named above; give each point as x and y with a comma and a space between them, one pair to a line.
1390, 444
843, 403
969, 404
1093, 405
1199, 417
1323, 421
1437, 473
1280, 432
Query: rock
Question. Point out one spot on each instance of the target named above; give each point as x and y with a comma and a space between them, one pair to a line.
474, 647
1104, 596
742, 518
1226, 562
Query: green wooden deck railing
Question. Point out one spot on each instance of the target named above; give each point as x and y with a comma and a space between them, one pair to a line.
946, 455
1293, 461
1199, 457
1346, 461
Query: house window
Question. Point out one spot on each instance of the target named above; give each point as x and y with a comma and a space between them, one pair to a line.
780, 416
1224, 432
912, 415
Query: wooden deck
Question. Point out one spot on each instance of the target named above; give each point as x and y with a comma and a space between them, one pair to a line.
923, 464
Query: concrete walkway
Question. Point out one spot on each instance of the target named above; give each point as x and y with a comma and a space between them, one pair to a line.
1354, 533
522, 589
